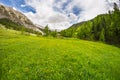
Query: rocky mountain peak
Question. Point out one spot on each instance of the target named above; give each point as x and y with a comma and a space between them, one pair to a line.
16, 16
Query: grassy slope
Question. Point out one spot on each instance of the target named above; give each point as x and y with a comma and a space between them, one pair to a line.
37, 58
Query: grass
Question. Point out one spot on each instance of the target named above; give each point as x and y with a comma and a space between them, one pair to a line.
38, 58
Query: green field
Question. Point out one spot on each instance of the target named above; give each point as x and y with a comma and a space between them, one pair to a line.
24, 57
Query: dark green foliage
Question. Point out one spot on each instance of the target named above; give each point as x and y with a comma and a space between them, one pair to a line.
68, 33
102, 35
105, 27
47, 31
54, 33
16, 26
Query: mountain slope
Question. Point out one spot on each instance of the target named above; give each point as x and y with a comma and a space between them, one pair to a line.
105, 27
16, 17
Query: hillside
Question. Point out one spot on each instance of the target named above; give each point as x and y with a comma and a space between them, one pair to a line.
105, 28
17, 17
25, 57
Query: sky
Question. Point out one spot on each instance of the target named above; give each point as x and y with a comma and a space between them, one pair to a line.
60, 14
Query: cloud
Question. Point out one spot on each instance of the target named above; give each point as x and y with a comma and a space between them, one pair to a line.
60, 14
22, 5
57, 18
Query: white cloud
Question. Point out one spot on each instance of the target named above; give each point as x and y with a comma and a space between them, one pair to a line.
72, 18
50, 11
23, 5
57, 18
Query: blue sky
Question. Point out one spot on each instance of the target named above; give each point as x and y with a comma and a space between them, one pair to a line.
60, 14
17, 4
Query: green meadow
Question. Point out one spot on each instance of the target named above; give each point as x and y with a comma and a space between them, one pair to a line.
26, 57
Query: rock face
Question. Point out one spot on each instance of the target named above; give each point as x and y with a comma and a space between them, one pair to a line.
17, 17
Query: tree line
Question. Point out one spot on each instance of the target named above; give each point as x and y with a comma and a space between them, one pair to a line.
105, 28
48, 32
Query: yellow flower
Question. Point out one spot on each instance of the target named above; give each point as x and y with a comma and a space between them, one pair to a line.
26, 69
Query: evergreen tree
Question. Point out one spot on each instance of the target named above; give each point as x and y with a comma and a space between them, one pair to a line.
54, 33
116, 8
105, 27
46, 30
102, 35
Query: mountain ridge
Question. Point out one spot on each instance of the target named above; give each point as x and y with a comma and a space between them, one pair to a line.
17, 17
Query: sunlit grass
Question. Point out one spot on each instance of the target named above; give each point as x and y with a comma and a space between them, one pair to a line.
39, 58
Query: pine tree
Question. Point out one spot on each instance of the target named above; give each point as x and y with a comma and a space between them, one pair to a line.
46, 30
102, 35
54, 33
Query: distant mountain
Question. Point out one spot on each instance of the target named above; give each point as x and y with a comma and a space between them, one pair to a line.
77, 25
17, 17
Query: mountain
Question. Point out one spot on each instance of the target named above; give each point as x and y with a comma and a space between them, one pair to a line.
77, 25
9, 14
104, 27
